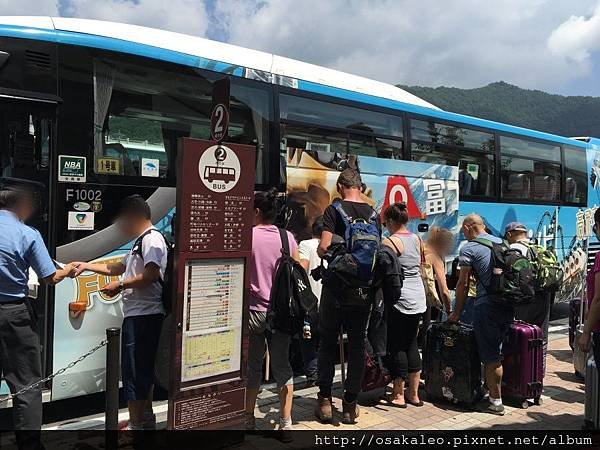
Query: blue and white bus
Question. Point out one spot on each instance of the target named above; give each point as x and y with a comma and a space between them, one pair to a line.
116, 98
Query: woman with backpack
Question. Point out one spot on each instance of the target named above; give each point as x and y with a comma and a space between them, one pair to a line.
403, 314
266, 252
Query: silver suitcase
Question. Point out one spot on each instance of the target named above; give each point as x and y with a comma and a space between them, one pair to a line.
592, 396
579, 357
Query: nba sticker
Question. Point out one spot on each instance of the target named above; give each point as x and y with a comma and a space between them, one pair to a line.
219, 168
150, 167
80, 220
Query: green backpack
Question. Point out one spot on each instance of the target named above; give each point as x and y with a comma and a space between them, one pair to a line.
512, 277
548, 271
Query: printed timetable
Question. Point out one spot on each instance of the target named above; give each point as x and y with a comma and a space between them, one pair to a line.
212, 318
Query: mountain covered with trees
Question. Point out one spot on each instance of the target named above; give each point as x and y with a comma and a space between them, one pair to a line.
503, 102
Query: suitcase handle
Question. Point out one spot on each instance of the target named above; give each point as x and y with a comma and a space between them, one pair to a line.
535, 343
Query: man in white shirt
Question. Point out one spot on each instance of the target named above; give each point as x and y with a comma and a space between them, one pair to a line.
516, 235
143, 270
310, 260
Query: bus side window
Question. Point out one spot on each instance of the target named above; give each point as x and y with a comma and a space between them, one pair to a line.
531, 170
576, 177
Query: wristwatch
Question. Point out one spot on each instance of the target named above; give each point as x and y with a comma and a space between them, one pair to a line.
121, 285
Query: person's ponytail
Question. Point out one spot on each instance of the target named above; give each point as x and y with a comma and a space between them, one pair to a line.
266, 203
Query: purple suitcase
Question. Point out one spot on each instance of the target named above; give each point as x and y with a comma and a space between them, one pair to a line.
523, 363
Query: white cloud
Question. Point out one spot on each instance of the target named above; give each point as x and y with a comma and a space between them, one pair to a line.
577, 37
461, 43
183, 16
34, 7
546, 44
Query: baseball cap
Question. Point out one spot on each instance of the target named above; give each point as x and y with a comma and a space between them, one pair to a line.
515, 226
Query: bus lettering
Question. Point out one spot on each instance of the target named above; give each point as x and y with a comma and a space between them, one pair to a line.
88, 288
92, 195
398, 189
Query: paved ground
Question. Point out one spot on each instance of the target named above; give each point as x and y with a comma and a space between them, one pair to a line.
562, 407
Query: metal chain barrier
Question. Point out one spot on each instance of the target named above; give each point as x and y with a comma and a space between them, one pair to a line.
58, 372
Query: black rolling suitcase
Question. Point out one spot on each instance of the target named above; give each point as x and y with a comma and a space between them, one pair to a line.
451, 363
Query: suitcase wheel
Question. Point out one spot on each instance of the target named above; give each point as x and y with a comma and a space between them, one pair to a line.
525, 404
538, 401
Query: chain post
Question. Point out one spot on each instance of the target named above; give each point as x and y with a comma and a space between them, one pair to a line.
113, 349
43, 381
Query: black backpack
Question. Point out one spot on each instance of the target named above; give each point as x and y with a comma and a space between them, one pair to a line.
291, 299
512, 280
167, 281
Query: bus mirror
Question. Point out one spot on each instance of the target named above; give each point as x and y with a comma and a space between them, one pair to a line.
423, 227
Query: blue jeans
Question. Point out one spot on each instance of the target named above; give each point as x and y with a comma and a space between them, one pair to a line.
138, 352
491, 324
466, 315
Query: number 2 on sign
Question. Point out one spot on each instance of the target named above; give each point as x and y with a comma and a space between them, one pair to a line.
219, 122
219, 113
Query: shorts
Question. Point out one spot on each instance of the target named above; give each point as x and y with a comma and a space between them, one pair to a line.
491, 323
279, 352
138, 351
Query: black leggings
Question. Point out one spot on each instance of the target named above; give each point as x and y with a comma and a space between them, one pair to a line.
402, 352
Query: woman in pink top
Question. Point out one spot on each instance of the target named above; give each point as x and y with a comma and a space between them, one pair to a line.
266, 251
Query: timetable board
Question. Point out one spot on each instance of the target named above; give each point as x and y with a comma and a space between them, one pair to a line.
212, 318
213, 231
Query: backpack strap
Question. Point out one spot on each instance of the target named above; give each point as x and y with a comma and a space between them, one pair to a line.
485, 242
345, 217
398, 252
137, 247
373, 217
285, 244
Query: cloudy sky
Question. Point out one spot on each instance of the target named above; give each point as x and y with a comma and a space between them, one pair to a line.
553, 45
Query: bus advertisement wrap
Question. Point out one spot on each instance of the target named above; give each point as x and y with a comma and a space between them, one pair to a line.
429, 190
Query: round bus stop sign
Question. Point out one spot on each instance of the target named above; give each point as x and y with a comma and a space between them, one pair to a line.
219, 122
219, 168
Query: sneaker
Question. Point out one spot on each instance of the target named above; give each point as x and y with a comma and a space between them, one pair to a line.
250, 422
324, 410
350, 412
149, 422
497, 410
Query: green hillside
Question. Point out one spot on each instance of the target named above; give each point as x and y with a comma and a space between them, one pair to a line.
503, 102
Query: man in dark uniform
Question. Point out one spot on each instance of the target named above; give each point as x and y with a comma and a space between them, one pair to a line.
22, 248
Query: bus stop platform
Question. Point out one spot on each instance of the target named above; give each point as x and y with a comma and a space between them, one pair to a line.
562, 407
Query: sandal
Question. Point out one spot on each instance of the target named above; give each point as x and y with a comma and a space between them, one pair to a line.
390, 401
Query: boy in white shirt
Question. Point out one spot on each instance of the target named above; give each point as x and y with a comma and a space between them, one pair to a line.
141, 285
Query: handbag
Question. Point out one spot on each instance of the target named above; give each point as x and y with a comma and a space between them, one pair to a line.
428, 276
375, 376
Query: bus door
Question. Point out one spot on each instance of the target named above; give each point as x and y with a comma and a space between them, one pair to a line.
26, 142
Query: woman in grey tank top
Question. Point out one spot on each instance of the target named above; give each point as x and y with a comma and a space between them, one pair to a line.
403, 316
